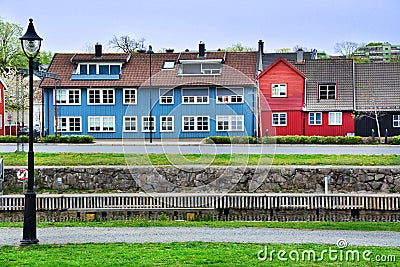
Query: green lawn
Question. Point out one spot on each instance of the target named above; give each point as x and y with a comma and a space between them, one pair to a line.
195, 254
91, 159
359, 226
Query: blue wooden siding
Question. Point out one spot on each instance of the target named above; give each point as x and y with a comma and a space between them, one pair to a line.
142, 108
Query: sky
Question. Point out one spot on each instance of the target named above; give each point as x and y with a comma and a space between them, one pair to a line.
71, 26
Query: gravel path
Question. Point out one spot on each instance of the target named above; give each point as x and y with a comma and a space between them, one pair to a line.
63, 235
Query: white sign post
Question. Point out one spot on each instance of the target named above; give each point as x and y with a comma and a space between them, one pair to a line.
22, 175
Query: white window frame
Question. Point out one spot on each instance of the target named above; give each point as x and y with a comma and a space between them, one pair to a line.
230, 119
125, 99
102, 95
196, 126
203, 71
334, 120
145, 120
135, 123
78, 69
101, 124
166, 126
281, 90
163, 100
196, 100
67, 94
1, 121
68, 124
396, 121
314, 121
230, 99
280, 116
327, 92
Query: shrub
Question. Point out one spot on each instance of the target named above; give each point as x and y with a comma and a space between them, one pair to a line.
395, 140
75, 139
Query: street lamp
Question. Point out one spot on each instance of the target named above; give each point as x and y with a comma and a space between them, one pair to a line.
31, 43
151, 121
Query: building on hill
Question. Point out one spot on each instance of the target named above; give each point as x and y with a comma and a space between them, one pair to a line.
378, 52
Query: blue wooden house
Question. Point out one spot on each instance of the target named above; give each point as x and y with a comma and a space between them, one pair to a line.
159, 95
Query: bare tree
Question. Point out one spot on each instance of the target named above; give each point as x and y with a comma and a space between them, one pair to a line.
126, 43
298, 47
346, 48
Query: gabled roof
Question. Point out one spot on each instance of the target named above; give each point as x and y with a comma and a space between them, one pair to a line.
276, 62
328, 70
238, 68
269, 58
377, 84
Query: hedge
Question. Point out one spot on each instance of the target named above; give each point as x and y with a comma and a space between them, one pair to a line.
73, 139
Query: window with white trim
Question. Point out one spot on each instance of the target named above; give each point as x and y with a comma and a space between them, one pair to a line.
230, 122
166, 96
315, 118
101, 69
327, 90
230, 95
129, 96
148, 122
167, 123
101, 123
200, 67
279, 90
1, 121
195, 123
68, 124
101, 96
130, 124
335, 118
396, 120
195, 96
279, 119
67, 97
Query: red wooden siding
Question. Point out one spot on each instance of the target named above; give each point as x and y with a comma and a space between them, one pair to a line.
2, 106
330, 130
282, 72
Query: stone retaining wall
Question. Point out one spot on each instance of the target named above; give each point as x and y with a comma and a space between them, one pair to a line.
292, 179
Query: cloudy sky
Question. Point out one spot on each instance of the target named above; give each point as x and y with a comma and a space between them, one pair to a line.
70, 26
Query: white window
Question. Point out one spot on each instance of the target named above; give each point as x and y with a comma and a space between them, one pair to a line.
229, 95
169, 65
101, 123
279, 119
203, 67
96, 69
130, 96
396, 120
195, 96
100, 96
167, 123
1, 121
195, 123
279, 90
148, 123
68, 124
335, 118
130, 124
67, 97
315, 118
327, 90
230, 123
166, 96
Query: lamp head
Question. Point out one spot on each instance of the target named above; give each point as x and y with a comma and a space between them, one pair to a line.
30, 41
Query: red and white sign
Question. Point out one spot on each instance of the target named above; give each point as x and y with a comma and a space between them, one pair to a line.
22, 175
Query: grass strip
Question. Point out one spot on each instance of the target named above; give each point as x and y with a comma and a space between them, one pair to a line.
195, 254
120, 159
355, 226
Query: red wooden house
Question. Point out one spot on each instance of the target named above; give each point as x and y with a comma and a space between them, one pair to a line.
306, 97
2, 107
281, 99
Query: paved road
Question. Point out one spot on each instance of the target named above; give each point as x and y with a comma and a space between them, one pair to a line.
188, 148
12, 236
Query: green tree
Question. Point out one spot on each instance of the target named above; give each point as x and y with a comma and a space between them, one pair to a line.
238, 47
11, 55
45, 57
283, 50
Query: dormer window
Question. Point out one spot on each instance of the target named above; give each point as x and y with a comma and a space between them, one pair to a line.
97, 71
200, 67
169, 65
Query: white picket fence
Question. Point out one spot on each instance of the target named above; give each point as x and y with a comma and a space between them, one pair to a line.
200, 201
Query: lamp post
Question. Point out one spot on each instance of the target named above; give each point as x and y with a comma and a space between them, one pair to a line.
31, 43
151, 122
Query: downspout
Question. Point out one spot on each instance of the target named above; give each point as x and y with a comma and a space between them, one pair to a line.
305, 106
257, 112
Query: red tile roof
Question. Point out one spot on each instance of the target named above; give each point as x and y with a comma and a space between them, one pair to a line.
238, 69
